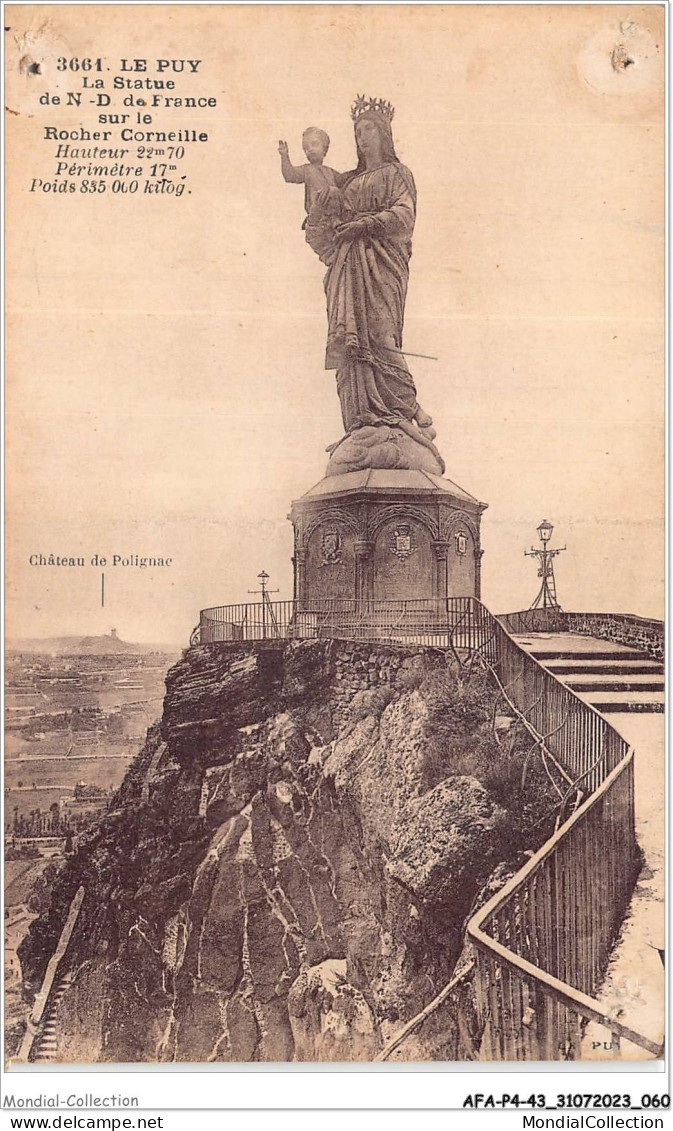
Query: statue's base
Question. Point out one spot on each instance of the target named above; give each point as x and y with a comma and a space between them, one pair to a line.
385, 535
387, 448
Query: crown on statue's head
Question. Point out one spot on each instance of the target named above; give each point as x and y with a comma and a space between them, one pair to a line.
362, 105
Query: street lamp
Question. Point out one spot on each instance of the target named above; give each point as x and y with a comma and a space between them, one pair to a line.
546, 597
268, 614
545, 530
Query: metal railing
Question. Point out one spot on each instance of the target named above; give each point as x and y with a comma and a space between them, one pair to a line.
440, 622
544, 940
535, 620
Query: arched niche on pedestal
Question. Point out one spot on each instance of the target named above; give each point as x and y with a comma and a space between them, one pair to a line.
462, 542
403, 558
330, 559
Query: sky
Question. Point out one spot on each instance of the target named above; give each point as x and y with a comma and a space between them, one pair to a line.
166, 391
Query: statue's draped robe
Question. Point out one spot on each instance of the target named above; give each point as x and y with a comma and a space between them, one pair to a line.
366, 287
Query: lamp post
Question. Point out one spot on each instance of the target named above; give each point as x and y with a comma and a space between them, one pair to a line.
546, 598
267, 608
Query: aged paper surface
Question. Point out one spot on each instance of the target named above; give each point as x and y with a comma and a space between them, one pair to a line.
167, 400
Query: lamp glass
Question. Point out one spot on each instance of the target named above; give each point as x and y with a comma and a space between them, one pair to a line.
545, 530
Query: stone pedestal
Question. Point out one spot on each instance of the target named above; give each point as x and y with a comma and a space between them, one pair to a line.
386, 534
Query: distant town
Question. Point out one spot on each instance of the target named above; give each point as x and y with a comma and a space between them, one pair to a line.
76, 714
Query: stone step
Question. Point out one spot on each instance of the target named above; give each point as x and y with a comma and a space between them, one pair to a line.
601, 683
628, 708
605, 667
609, 701
47, 1042
544, 654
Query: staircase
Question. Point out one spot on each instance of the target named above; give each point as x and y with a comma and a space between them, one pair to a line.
46, 1044
610, 677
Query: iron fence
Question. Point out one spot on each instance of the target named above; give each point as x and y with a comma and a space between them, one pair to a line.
535, 620
438, 622
543, 941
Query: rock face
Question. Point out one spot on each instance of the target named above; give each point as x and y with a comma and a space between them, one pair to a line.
330, 1019
286, 870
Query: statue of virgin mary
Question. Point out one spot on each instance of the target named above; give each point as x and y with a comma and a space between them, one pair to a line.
362, 231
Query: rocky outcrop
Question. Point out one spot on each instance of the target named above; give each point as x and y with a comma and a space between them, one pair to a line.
287, 868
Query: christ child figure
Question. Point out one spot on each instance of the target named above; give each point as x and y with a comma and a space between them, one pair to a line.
322, 198
315, 176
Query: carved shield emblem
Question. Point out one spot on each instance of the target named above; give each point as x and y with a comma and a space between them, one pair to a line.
331, 547
461, 542
401, 543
